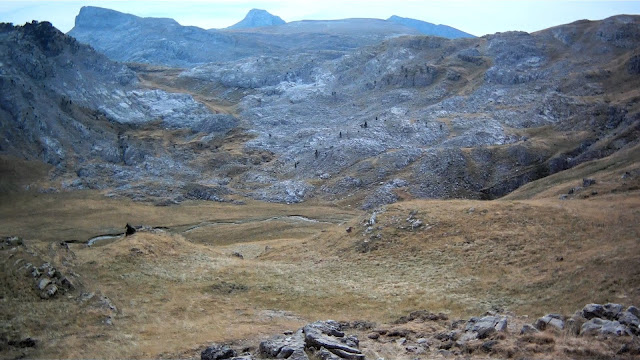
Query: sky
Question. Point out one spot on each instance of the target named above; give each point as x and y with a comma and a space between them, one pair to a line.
477, 17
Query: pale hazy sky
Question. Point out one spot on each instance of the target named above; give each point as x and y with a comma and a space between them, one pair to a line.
474, 16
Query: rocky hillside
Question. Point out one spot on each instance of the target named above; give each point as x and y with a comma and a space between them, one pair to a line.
257, 18
410, 117
66, 105
435, 118
423, 334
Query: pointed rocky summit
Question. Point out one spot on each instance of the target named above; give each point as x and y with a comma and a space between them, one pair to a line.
258, 18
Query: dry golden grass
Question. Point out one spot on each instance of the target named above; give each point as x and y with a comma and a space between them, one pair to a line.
180, 289
15, 174
80, 215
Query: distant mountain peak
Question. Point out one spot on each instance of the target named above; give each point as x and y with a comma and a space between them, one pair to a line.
258, 18
94, 18
428, 28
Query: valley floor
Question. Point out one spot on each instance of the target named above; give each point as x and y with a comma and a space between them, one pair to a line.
205, 272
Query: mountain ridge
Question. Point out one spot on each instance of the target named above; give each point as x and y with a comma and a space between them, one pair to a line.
428, 28
416, 117
128, 38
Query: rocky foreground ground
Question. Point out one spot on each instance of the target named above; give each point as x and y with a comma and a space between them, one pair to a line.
597, 331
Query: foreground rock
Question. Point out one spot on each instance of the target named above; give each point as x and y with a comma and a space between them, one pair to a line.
215, 352
425, 335
325, 339
321, 339
610, 319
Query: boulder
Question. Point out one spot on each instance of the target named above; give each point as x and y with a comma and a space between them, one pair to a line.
48, 270
33, 271
485, 326
49, 291
553, 320
612, 311
67, 283
591, 311
324, 354
270, 348
501, 326
12, 241
574, 324
631, 321
415, 224
299, 354
351, 340
284, 347
217, 352
556, 323
329, 327
528, 329
43, 283
319, 341
328, 335
597, 326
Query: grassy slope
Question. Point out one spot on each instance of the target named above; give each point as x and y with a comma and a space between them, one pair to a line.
174, 295
609, 173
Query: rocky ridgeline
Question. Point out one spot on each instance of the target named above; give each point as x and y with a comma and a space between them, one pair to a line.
427, 28
377, 120
128, 38
69, 106
125, 37
422, 334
